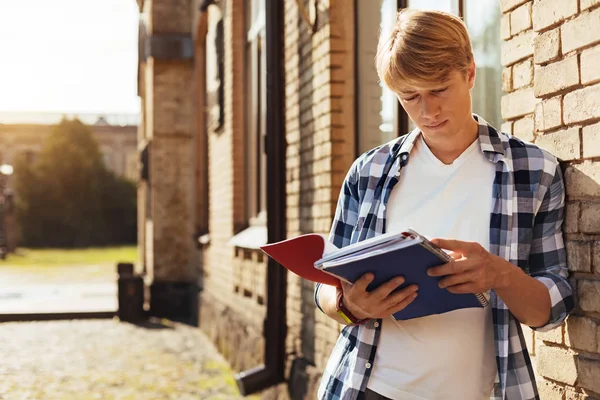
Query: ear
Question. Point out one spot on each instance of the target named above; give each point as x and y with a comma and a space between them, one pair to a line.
471, 75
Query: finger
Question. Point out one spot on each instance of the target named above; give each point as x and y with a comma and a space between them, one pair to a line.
463, 288
441, 270
346, 288
457, 246
402, 305
361, 284
445, 269
385, 289
453, 267
402, 294
455, 255
456, 279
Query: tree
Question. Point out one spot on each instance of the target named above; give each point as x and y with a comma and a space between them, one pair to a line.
67, 198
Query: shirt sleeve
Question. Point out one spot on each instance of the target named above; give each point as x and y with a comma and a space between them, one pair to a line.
547, 259
345, 218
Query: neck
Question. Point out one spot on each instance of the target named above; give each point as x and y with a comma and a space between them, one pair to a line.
448, 148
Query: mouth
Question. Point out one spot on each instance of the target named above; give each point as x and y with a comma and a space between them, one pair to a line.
436, 126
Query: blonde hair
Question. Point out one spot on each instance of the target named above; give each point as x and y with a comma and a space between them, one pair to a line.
423, 49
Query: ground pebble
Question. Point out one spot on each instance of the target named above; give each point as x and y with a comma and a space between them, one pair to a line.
108, 359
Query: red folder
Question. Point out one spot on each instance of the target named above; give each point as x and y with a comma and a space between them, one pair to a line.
299, 255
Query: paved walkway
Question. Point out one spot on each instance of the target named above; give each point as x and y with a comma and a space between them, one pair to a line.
58, 298
108, 359
61, 289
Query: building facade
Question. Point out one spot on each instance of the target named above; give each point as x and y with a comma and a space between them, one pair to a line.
253, 111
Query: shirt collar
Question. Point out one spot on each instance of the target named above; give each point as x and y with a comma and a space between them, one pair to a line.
491, 142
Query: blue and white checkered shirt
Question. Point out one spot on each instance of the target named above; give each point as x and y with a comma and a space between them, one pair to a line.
525, 229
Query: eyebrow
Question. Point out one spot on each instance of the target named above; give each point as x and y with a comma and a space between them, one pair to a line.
408, 93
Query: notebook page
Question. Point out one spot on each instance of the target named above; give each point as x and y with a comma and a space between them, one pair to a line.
329, 248
368, 253
365, 244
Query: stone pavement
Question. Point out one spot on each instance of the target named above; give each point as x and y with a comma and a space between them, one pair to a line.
108, 359
58, 298
57, 289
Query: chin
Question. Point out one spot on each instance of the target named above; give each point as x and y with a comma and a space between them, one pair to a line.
437, 129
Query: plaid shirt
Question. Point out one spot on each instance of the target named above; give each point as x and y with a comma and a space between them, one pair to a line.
525, 229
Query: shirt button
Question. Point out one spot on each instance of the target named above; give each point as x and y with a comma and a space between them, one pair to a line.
376, 324
368, 365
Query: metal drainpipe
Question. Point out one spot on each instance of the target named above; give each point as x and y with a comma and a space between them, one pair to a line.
275, 325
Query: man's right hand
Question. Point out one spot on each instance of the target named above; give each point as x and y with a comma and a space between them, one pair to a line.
380, 302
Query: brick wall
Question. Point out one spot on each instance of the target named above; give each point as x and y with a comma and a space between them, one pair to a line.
171, 171
168, 248
319, 69
551, 79
224, 148
320, 136
232, 301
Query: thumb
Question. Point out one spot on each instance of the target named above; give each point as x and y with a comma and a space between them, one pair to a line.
345, 287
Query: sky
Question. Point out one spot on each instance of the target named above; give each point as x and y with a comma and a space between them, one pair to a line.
69, 56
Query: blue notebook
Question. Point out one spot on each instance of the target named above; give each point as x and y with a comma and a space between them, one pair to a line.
408, 254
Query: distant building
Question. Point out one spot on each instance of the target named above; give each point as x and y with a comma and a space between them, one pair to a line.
25, 133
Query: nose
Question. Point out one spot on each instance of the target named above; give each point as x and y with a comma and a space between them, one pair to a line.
430, 108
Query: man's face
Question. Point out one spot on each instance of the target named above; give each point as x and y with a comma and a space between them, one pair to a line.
443, 109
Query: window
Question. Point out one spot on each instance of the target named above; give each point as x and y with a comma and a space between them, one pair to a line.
108, 162
378, 111
452, 6
215, 72
255, 113
380, 116
202, 63
220, 47
483, 21
131, 166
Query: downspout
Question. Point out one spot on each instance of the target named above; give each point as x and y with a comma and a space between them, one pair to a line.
275, 325
201, 126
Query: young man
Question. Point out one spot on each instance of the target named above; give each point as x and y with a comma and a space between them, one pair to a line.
499, 203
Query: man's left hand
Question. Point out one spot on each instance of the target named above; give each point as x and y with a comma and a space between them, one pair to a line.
473, 270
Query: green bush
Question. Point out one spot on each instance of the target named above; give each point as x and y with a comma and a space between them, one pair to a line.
67, 198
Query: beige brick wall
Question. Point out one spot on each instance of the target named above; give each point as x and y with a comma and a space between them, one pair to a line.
169, 249
232, 301
559, 110
234, 293
320, 136
169, 16
225, 149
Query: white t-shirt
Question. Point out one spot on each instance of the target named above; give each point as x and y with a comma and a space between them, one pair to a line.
451, 355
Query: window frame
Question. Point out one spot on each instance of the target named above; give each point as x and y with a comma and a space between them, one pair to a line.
255, 113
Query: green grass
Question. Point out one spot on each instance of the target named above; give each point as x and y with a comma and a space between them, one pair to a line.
64, 257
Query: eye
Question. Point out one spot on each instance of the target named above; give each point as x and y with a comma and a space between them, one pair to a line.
411, 98
440, 90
